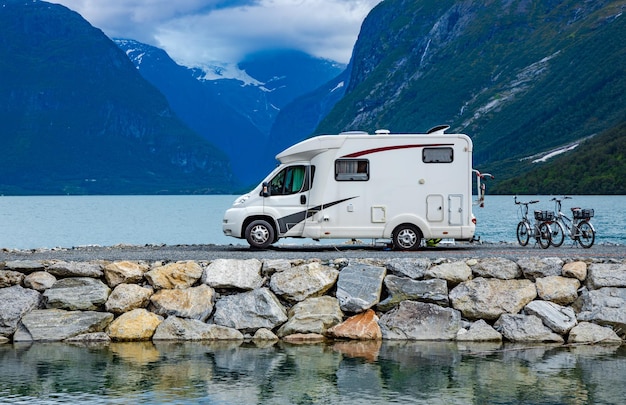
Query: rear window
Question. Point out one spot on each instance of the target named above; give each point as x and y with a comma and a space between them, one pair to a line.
437, 155
352, 169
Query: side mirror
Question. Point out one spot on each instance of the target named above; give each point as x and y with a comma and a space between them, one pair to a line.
265, 192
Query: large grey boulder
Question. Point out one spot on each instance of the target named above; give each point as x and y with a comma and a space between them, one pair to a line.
497, 267
124, 272
77, 293
193, 302
25, 266
606, 275
359, 287
605, 306
16, 301
76, 269
313, 315
479, 331
39, 280
181, 274
126, 297
301, 282
558, 289
536, 267
559, 319
231, 273
525, 328
175, 328
10, 278
271, 266
402, 289
250, 311
483, 298
586, 332
50, 325
420, 321
454, 272
410, 267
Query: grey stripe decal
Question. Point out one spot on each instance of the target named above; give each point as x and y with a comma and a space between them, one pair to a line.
300, 216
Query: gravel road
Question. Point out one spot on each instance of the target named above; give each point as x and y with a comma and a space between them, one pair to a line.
326, 252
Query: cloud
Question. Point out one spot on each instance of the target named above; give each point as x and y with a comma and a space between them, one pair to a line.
199, 32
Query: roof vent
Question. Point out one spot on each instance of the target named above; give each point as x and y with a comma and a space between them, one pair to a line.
382, 132
439, 129
353, 133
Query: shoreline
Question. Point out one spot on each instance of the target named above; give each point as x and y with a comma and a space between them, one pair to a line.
527, 299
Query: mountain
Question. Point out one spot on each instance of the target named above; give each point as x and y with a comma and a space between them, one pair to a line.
521, 77
234, 107
595, 166
298, 119
77, 118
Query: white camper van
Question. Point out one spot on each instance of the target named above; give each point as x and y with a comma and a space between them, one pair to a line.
402, 187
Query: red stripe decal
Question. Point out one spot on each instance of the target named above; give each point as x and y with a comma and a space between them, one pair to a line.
386, 148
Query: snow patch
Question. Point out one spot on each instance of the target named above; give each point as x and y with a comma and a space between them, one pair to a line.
338, 86
220, 71
554, 153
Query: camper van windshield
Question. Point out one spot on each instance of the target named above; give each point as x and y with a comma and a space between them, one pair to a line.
290, 180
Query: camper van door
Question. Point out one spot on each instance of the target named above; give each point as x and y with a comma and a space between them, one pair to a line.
288, 198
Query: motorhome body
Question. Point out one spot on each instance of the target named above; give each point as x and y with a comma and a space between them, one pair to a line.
403, 187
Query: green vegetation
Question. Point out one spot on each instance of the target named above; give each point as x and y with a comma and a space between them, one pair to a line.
520, 78
596, 166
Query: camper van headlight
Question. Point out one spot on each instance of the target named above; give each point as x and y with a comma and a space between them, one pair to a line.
242, 199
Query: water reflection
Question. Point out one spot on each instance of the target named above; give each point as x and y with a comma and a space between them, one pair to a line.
342, 372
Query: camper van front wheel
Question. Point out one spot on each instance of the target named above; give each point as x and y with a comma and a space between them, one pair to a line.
406, 237
259, 234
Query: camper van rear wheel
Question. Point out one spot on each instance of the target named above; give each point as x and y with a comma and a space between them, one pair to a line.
259, 234
406, 237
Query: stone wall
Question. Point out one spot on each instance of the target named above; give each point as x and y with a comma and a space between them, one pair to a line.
497, 299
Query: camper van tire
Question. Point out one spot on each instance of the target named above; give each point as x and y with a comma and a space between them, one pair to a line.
259, 234
407, 237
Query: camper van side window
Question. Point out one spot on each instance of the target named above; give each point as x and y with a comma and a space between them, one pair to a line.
288, 181
352, 170
437, 155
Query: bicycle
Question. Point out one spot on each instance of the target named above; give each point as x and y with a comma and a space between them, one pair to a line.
579, 229
540, 229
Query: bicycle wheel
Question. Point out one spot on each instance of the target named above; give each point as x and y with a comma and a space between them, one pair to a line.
586, 234
523, 233
558, 234
545, 235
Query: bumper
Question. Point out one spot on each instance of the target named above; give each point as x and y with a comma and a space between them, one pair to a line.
232, 222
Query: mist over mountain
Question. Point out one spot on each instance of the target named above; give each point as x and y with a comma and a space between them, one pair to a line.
540, 87
77, 118
234, 107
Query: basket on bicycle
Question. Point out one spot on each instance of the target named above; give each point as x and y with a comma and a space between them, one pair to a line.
544, 215
582, 213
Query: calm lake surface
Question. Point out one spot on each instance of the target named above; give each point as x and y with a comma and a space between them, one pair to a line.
343, 373
233, 373
67, 221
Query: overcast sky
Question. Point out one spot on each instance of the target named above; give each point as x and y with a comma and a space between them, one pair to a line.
197, 32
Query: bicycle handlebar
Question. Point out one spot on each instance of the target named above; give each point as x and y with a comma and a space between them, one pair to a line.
524, 203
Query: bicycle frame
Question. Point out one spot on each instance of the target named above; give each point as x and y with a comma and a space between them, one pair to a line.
580, 230
540, 229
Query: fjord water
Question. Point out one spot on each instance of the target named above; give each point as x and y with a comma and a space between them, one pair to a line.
246, 373
67, 221
341, 373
